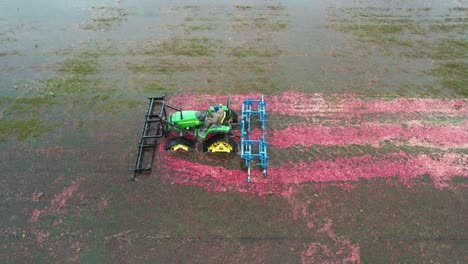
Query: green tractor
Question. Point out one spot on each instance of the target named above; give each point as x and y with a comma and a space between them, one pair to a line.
185, 130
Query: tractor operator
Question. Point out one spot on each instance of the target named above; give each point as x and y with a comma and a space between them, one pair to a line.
214, 119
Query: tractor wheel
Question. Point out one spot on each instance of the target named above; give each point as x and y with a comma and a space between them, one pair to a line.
220, 144
180, 144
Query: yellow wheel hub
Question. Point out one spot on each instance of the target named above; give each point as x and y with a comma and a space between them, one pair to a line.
220, 146
180, 147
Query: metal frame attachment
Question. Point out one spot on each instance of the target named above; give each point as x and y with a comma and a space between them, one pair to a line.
254, 148
153, 129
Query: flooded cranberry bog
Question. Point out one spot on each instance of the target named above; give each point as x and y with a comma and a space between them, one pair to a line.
367, 131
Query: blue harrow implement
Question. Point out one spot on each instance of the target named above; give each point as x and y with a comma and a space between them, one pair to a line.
254, 148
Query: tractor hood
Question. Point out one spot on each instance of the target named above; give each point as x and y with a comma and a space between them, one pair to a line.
188, 118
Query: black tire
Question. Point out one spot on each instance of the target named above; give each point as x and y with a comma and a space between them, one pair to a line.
220, 143
180, 144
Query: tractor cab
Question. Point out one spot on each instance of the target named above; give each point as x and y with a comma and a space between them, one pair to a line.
222, 126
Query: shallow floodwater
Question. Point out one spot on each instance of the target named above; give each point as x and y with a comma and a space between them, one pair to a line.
367, 125
251, 47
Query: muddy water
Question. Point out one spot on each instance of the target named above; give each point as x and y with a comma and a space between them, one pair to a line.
307, 47
379, 84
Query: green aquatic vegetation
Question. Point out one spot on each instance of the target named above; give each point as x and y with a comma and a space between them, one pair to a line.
278, 26
84, 63
79, 66
400, 34
9, 53
352, 22
416, 49
169, 65
412, 89
400, 42
395, 33
139, 67
201, 19
106, 18
22, 129
260, 69
390, 20
261, 21
246, 51
154, 87
370, 30
245, 84
93, 51
366, 12
414, 28
61, 52
111, 104
8, 68
267, 23
276, 7
101, 104
172, 65
450, 49
459, 9
198, 27
71, 85
415, 10
380, 15
242, 7
89, 55
187, 7
443, 49
459, 28
444, 121
29, 105
450, 69
447, 86
7, 37
460, 179
190, 47
456, 19
202, 27
459, 86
